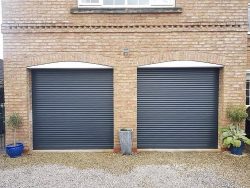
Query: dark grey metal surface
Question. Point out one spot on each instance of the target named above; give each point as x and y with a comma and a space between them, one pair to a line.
178, 108
2, 124
2, 121
72, 109
1, 72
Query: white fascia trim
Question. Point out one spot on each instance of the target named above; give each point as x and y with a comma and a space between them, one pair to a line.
182, 64
69, 65
248, 71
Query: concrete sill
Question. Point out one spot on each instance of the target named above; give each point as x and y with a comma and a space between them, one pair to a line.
126, 10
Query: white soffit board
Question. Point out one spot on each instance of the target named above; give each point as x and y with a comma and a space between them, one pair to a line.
69, 65
182, 64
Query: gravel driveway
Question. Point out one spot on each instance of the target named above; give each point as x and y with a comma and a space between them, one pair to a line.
146, 169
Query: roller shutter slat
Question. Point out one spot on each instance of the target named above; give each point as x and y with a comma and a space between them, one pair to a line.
177, 108
72, 109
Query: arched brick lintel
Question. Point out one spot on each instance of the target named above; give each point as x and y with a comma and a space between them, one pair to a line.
92, 58
169, 56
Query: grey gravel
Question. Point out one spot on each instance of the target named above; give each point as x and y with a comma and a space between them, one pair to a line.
58, 176
144, 169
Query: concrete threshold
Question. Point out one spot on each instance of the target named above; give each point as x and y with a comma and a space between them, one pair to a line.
179, 150
73, 151
139, 150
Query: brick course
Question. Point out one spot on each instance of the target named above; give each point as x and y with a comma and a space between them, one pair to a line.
40, 32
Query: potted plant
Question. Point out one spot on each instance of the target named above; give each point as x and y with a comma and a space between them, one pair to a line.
16, 149
126, 141
234, 136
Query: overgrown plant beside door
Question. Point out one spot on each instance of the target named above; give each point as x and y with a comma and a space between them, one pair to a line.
234, 136
14, 121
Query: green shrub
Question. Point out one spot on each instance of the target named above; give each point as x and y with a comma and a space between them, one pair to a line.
14, 122
234, 135
237, 115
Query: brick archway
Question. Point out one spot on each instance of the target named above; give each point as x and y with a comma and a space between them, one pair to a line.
125, 80
168, 56
91, 58
69, 56
163, 56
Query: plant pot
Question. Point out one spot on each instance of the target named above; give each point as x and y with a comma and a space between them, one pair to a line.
126, 141
14, 151
237, 150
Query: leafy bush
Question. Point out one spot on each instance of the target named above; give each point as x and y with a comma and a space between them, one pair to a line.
234, 135
237, 115
14, 122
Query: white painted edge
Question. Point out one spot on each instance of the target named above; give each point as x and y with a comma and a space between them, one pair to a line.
171, 3
248, 71
70, 65
75, 151
179, 150
139, 150
182, 64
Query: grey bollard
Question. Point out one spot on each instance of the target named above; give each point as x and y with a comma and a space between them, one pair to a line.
126, 141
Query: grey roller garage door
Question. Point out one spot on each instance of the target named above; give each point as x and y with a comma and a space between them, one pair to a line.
178, 108
72, 109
